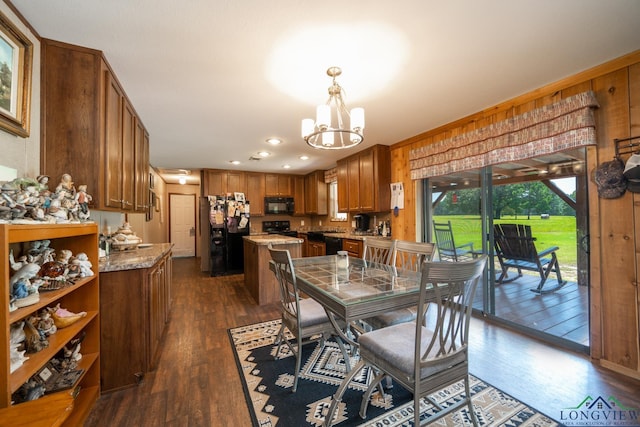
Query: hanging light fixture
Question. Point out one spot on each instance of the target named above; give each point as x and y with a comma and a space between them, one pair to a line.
321, 133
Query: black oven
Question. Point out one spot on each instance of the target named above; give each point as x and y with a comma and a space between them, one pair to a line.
278, 205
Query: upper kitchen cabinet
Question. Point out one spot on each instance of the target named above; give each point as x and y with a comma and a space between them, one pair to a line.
90, 129
364, 181
278, 184
315, 193
142, 168
219, 182
299, 195
255, 192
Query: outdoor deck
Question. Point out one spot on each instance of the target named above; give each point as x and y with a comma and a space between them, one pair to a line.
563, 313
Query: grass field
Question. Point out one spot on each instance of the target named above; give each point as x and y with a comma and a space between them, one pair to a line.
556, 231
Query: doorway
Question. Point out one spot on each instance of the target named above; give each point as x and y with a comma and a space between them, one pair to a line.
548, 195
182, 224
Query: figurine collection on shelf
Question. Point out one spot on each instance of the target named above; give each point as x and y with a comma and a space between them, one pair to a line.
60, 373
25, 200
39, 267
42, 268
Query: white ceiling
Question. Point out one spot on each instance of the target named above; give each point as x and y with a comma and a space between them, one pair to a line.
212, 80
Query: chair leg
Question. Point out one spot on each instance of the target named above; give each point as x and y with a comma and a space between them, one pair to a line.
298, 364
377, 382
279, 340
472, 412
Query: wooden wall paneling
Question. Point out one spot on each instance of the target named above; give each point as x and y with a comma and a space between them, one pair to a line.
403, 226
616, 230
634, 127
595, 255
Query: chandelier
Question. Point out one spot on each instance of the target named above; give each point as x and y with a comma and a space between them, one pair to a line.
321, 133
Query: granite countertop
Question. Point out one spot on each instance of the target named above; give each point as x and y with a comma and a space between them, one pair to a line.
349, 235
274, 239
136, 258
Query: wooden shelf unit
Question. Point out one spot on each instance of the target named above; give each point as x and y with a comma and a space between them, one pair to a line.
81, 296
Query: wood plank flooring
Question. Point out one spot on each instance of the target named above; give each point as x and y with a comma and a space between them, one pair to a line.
563, 313
197, 383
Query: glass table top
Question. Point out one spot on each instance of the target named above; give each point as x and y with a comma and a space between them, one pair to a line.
360, 282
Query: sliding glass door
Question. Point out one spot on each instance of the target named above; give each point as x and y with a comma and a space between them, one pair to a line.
541, 286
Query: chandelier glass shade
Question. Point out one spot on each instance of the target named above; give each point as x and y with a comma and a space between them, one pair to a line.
335, 127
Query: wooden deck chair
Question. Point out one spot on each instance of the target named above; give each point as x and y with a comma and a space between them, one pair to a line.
515, 248
447, 249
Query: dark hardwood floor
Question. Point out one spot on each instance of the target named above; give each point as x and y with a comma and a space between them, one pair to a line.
197, 384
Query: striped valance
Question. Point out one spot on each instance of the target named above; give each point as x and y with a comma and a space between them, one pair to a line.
566, 124
331, 175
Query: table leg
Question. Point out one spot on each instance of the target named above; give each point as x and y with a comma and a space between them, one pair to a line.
342, 338
337, 398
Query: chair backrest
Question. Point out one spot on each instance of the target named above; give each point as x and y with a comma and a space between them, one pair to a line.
410, 255
444, 241
454, 286
285, 275
378, 250
514, 241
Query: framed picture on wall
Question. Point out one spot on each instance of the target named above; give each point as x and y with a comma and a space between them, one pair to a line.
151, 207
16, 61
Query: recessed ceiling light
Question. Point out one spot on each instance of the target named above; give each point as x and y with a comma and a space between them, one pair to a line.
182, 180
264, 154
274, 141
286, 166
304, 157
234, 162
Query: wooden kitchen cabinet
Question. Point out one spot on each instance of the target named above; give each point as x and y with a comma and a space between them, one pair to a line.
299, 204
136, 304
343, 185
353, 188
222, 182
353, 247
82, 296
278, 184
305, 244
316, 248
255, 192
364, 181
315, 193
142, 169
91, 130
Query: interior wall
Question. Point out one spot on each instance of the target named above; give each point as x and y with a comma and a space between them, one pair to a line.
23, 154
614, 245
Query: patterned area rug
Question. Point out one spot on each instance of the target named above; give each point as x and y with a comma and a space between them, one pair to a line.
267, 384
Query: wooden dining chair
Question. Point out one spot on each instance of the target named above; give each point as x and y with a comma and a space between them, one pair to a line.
303, 317
425, 356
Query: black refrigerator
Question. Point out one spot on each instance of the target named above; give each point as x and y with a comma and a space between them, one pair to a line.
229, 222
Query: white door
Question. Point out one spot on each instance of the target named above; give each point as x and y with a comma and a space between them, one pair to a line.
182, 217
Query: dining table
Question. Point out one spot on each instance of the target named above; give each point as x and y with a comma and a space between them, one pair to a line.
351, 290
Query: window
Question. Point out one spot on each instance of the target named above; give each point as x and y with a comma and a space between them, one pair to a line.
333, 203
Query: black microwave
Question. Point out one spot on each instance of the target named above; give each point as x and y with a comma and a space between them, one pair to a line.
278, 205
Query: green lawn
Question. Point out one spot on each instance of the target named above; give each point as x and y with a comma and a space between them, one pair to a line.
556, 231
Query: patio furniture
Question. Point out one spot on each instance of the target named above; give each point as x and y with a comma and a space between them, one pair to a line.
447, 249
425, 355
515, 248
305, 318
